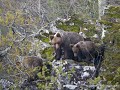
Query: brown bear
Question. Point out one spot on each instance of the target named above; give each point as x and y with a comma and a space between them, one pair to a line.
61, 43
88, 51
84, 50
30, 62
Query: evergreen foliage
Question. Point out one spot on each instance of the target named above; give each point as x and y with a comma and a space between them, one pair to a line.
13, 17
112, 56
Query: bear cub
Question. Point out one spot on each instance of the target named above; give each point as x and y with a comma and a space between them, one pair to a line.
30, 62
84, 50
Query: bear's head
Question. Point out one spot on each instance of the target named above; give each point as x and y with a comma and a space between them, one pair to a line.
56, 41
75, 49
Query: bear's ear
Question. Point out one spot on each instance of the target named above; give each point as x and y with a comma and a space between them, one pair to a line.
51, 37
58, 35
71, 45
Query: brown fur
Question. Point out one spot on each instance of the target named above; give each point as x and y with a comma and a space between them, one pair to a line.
84, 50
30, 62
62, 41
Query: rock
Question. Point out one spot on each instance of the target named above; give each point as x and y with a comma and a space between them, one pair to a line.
95, 36
82, 34
85, 75
5, 83
78, 74
86, 68
93, 87
4, 52
78, 67
70, 87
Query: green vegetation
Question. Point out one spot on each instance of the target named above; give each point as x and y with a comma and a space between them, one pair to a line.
112, 56
111, 63
77, 23
48, 53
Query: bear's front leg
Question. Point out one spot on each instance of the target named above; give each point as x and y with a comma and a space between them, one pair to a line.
58, 53
68, 54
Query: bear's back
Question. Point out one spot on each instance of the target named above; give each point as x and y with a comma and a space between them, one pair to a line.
88, 45
32, 61
71, 38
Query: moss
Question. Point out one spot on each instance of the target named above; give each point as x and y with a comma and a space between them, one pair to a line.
1, 69
1, 87
7, 40
1, 10
1, 20
9, 17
